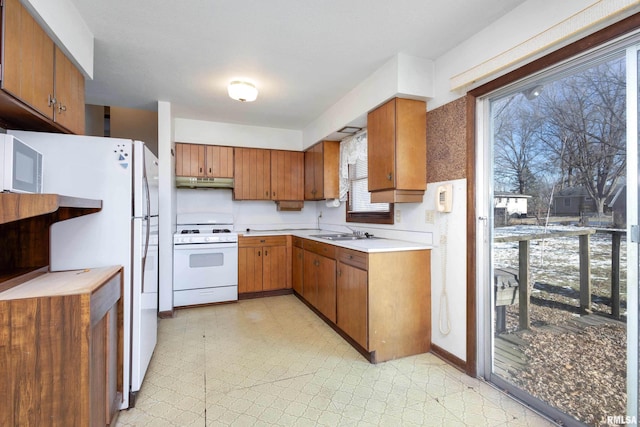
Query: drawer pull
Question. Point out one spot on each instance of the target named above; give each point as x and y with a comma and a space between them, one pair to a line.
350, 256
262, 240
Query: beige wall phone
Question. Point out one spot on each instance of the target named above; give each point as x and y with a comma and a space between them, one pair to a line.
444, 198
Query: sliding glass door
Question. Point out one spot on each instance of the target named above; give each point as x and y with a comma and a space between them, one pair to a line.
558, 195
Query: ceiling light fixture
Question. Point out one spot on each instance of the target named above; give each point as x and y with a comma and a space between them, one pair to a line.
350, 129
242, 91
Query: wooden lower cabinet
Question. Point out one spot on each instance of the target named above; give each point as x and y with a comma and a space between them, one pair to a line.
61, 349
319, 277
297, 267
381, 300
263, 264
352, 303
326, 287
319, 287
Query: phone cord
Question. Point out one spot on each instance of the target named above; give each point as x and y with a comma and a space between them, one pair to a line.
444, 297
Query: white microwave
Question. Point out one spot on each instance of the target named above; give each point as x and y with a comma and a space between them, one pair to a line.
20, 166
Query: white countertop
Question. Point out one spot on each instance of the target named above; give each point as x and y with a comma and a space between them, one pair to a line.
362, 245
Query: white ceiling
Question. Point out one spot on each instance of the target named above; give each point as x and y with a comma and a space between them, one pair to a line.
303, 55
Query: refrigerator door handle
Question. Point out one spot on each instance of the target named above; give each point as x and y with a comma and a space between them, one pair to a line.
147, 216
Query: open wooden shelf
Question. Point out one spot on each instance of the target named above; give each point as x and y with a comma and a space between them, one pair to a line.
15, 207
24, 231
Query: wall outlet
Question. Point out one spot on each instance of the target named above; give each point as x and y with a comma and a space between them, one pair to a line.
398, 216
429, 217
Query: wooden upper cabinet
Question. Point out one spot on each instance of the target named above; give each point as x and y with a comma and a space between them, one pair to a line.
252, 174
27, 59
397, 151
287, 175
48, 86
321, 171
197, 160
190, 160
69, 94
219, 161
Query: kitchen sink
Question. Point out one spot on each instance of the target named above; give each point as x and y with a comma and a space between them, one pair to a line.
343, 236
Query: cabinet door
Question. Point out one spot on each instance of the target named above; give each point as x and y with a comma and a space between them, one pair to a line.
381, 136
326, 283
249, 270
190, 159
310, 288
274, 268
287, 175
352, 303
69, 94
330, 164
309, 173
104, 357
27, 69
219, 162
298, 269
252, 174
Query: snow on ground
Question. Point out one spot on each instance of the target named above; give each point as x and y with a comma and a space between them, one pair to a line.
556, 262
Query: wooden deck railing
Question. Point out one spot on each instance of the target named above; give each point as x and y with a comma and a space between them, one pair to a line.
584, 235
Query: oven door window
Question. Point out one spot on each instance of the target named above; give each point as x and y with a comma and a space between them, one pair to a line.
212, 259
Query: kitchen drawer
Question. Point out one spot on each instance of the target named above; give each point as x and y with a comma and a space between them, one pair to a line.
254, 241
354, 258
298, 242
320, 248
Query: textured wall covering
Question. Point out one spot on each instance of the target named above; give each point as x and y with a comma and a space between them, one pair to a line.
446, 141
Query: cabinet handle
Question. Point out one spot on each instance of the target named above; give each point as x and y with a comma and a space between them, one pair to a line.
258, 253
265, 252
340, 273
389, 176
316, 262
266, 193
200, 170
61, 108
209, 170
52, 101
274, 194
350, 256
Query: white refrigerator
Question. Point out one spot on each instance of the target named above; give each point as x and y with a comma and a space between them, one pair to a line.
124, 175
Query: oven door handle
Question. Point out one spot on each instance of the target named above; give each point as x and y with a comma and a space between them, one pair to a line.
204, 246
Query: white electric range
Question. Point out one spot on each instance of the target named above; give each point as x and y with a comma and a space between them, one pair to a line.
205, 259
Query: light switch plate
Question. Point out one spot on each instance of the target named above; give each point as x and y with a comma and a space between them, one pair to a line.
429, 216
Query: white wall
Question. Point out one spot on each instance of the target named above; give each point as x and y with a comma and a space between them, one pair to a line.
216, 133
255, 215
404, 75
167, 222
521, 24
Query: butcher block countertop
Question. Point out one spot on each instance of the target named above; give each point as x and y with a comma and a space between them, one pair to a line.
362, 245
61, 283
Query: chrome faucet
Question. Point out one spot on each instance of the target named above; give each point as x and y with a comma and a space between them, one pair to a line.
357, 233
